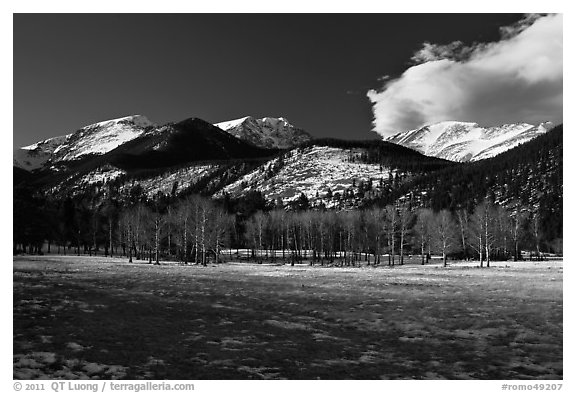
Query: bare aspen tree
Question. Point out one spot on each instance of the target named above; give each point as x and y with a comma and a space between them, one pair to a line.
535, 228
309, 233
182, 218
286, 229
276, 224
196, 221
349, 227
220, 230
423, 231
203, 220
503, 231
170, 221
110, 242
251, 236
488, 216
295, 225
258, 223
482, 230
444, 234
126, 224
518, 216
375, 218
331, 223
157, 229
391, 228
405, 222
463, 219
322, 236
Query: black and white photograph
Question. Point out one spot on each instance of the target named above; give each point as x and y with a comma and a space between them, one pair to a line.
287, 196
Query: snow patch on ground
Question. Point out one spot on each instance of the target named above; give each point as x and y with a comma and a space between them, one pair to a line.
47, 365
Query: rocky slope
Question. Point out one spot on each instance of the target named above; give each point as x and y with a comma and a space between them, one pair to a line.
268, 132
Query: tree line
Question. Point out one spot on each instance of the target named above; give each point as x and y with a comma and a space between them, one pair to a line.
387, 235
140, 228
197, 229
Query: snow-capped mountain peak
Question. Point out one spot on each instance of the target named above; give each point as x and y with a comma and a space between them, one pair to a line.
94, 139
226, 125
467, 141
268, 132
138, 120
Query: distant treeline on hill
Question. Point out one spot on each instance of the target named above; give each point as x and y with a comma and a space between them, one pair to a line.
196, 229
387, 154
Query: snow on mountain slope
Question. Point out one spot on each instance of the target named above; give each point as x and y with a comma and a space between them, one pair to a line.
102, 175
98, 138
102, 137
514, 141
314, 170
36, 155
268, 132
226, 125
176, 180
463, 141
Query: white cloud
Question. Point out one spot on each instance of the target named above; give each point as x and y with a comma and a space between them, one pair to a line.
432, 52
517, 79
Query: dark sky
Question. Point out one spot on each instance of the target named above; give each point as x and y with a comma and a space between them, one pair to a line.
314, 69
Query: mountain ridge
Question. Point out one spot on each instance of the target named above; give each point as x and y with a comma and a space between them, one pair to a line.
103, 137
467, 141
192, 139
94, 139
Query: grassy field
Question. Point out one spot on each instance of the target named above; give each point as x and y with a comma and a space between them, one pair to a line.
79, 317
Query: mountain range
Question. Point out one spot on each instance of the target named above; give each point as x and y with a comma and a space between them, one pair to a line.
131, 135
444, 165
268, 155
194, 139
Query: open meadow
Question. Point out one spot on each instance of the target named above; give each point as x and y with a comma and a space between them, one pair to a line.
81, 317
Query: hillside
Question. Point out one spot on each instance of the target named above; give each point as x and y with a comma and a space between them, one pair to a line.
530, 173
333, 173
172, 161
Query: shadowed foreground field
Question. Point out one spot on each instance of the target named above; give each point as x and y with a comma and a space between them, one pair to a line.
78, 317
